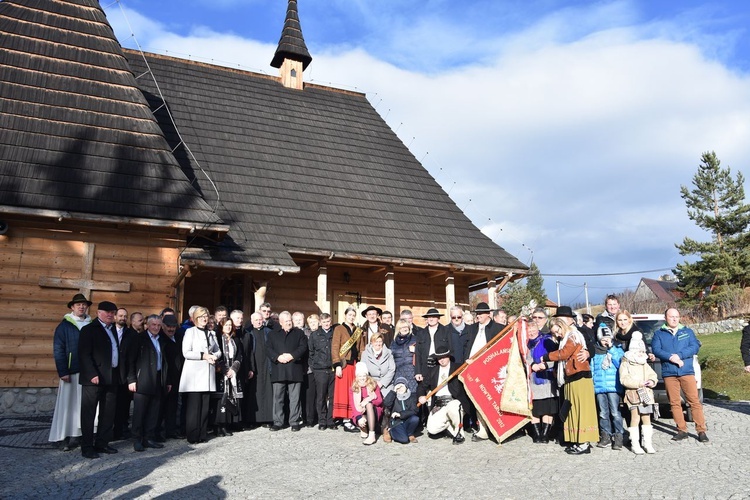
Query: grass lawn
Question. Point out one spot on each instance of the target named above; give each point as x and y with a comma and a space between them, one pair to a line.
723, 370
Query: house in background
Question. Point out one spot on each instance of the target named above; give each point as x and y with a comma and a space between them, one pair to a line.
655, 295
175, 183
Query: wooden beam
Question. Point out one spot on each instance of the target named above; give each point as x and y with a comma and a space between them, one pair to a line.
390, 291
86, 285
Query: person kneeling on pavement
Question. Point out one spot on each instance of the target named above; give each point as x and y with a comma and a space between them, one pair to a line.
401, 403
446, 410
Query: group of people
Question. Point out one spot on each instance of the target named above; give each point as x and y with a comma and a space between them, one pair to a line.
584, 368
214, 373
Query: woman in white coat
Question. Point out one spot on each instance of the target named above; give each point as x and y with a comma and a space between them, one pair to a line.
198, 381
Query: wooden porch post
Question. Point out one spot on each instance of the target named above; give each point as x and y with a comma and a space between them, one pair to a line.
450, 292
324, 305
260, 293
390, 292
492, 293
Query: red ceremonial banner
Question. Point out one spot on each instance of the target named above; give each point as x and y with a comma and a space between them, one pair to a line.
484, 380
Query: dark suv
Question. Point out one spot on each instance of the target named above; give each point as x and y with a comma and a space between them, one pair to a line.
647, 324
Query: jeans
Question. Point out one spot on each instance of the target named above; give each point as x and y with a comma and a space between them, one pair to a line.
402, 431
609, 406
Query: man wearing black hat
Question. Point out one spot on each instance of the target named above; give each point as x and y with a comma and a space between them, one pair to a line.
434, 334
66, 421
480, 333
446, 405
373, 326
99, 358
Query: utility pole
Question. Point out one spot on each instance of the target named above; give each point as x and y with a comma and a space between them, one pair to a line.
557, 284
586, 294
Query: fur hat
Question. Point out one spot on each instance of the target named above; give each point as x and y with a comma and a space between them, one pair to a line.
361, 369
636, 343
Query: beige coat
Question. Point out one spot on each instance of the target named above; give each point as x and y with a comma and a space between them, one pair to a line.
632, 377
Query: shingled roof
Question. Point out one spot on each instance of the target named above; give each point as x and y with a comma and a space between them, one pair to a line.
76, 134
316, 170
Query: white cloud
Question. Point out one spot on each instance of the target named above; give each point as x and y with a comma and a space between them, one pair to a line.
574, 142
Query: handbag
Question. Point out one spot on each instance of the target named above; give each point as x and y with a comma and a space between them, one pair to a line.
644, 396
229, 402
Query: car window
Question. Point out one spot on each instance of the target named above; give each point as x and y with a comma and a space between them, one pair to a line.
647, 327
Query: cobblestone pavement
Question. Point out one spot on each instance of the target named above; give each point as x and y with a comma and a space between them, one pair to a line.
334, 464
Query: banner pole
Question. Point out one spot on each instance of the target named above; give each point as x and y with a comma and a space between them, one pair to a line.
461, 368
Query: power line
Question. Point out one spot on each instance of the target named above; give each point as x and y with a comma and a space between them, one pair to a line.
609, 274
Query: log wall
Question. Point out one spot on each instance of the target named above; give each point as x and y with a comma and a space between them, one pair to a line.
29, 312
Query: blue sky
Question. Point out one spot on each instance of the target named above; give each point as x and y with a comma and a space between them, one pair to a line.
563, 129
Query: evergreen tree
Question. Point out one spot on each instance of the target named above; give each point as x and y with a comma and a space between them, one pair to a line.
535, 284
520, 293
716, 204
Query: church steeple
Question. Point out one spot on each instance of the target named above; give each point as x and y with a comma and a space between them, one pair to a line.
291, 56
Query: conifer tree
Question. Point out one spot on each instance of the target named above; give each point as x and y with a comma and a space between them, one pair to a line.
716, 204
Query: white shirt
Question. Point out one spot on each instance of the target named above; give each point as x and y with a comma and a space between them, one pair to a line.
443, 375
479, 341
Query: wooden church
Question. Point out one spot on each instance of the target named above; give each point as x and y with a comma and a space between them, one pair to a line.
153, 181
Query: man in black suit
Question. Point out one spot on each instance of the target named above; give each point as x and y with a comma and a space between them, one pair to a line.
124, 396
427, 339
99, 358
175, 360
148, 380
479, 334
286, 349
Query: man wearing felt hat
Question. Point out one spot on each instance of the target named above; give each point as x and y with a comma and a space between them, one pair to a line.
480, 333
434, 334
446, 405
66, 421
99, 357
373, 326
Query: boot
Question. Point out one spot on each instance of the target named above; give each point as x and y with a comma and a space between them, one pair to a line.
648, 434
370, 438
386, 435
536, 432
546, 431
635, 441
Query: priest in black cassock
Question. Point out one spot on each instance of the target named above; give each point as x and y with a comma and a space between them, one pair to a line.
258, 394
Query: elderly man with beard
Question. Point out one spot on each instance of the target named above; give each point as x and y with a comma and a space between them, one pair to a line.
286, 349
373, 326
66, 421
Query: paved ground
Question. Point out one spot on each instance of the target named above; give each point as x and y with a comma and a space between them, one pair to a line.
333, 464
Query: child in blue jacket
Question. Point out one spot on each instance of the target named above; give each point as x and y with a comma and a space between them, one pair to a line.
604, 368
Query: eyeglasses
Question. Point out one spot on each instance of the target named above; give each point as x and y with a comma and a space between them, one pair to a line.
457, 317
202, 316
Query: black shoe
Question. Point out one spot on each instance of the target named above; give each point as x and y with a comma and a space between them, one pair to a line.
158, 439
138, 446
152, 444
322, 427
105, 449
458, 439
578, 449
89, 454
71, 444
295, 428
680, 436
274, 428
702, 437
350, 427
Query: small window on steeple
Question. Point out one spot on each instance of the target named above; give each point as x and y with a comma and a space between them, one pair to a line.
294, 73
